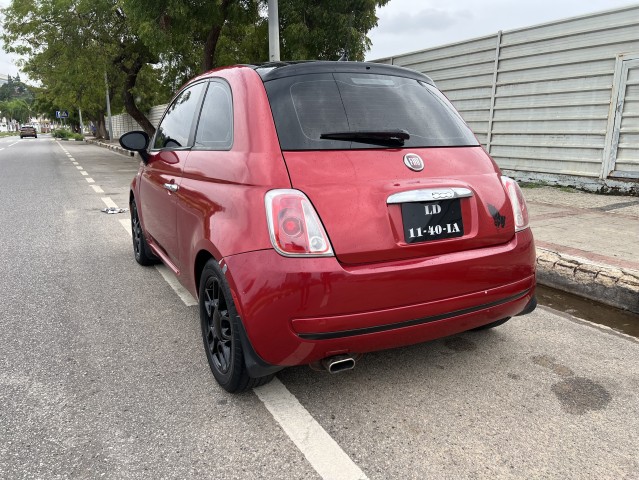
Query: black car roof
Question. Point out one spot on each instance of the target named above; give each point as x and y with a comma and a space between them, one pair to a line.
275, 70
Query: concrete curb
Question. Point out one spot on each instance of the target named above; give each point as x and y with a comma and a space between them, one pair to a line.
618, 287
115, 148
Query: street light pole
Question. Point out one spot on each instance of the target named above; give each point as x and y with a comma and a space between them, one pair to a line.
108, 100
273, 32
81, 126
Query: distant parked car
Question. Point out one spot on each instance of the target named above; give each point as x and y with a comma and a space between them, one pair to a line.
322, 210
28, 131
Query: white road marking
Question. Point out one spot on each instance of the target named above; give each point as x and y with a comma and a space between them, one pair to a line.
90, 180
167, 274
323, 453
75, 163
126, 224
109, 203
1, 148
320, 449
84, 172
177, 287
79, 167
14, 143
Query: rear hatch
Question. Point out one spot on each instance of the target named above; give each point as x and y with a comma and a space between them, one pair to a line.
391, 168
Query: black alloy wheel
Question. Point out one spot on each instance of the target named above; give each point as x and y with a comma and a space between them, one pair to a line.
222, 333
218, 330
141, 250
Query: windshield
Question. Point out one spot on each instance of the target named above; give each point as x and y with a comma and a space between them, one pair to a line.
308, 107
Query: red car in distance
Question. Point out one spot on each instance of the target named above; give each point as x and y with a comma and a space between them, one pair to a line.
322, 210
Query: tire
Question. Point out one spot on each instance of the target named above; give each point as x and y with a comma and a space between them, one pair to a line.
141, 250
491, 325
221, 333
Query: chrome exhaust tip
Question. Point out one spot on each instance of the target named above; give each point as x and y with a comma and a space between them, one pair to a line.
338, 363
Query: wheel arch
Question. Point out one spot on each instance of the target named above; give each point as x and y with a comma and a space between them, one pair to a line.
201, 258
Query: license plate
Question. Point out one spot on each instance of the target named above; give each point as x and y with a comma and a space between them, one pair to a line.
424, 221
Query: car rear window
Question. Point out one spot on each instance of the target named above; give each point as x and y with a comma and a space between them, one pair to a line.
307, 106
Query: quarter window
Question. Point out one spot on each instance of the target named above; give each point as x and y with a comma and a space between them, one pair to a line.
215, 128
175, 129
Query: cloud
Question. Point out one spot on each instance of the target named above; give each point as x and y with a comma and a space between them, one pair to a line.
405, 24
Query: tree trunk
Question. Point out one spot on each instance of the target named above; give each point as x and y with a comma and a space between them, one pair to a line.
129, 102
208, 60
101, 131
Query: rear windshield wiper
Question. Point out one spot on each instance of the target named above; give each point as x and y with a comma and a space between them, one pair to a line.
381, 137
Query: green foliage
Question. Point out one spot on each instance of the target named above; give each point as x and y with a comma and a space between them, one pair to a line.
69, 46
15, 89
183, 34
16, 109
325, 30
148, 48
65, 134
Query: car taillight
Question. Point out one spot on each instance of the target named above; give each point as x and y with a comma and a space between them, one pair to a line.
294, 226
518, 202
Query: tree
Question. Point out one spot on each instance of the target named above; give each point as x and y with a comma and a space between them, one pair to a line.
69, 46
326, 30
200, 35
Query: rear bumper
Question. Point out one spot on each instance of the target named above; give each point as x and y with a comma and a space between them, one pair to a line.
298, 311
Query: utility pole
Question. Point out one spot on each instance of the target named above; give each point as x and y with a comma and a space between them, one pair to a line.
81, 126
273, 32
108, 100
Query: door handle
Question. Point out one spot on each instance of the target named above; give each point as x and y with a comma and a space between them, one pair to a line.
171, 187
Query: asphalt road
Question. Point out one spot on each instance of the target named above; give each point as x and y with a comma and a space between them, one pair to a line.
103, 375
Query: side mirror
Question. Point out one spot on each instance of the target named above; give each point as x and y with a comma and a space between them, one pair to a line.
136, 141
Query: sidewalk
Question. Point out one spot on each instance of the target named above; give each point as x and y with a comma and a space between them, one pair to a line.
587, 244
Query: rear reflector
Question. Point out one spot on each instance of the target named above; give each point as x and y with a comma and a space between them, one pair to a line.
294, 226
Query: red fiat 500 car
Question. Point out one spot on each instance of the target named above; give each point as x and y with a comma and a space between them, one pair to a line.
322, 210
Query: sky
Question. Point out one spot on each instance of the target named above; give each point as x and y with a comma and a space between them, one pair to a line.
409, 25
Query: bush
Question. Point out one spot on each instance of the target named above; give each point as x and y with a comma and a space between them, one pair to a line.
66, 134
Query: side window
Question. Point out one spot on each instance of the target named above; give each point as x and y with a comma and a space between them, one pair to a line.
215, 129
175, 128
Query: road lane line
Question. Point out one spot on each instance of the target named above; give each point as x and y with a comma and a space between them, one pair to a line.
127, 225
12, 144
96, 188
79, 167
167, 274
109, 203
323, 453
177, 287
318, 447
90, 180
84, 172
